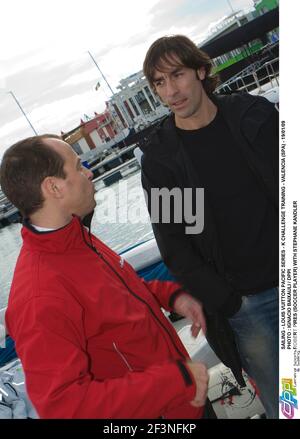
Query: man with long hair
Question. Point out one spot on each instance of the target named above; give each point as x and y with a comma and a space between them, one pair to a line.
227, 145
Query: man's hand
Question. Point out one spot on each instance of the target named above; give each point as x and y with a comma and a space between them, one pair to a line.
191, 308
200, 375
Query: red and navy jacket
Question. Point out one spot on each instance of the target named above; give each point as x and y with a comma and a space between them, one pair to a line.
90, 333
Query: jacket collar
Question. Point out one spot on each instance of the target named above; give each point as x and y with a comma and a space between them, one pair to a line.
233, 109
55, 241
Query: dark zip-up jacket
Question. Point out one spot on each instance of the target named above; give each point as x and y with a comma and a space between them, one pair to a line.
196, 260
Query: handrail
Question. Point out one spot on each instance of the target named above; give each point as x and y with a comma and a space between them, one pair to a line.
270, 75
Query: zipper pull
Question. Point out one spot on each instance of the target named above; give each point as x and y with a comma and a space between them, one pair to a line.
121, 262
96, 251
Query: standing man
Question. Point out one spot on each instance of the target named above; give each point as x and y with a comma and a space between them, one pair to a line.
227, 145
89, 332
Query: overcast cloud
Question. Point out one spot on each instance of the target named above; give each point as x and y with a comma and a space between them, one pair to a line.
44, 59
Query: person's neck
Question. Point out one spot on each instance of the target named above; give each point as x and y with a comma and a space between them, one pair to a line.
50, 220
202, 117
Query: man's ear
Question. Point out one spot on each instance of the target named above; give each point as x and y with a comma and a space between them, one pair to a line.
201, 73
52, 187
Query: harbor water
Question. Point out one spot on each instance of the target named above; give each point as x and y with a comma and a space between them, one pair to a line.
111, 226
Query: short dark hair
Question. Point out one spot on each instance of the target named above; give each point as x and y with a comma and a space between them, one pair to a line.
167, 49
23, 168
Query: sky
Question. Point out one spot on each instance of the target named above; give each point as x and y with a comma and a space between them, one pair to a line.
44, 60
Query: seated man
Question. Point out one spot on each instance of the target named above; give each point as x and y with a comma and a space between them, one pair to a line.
90, 334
